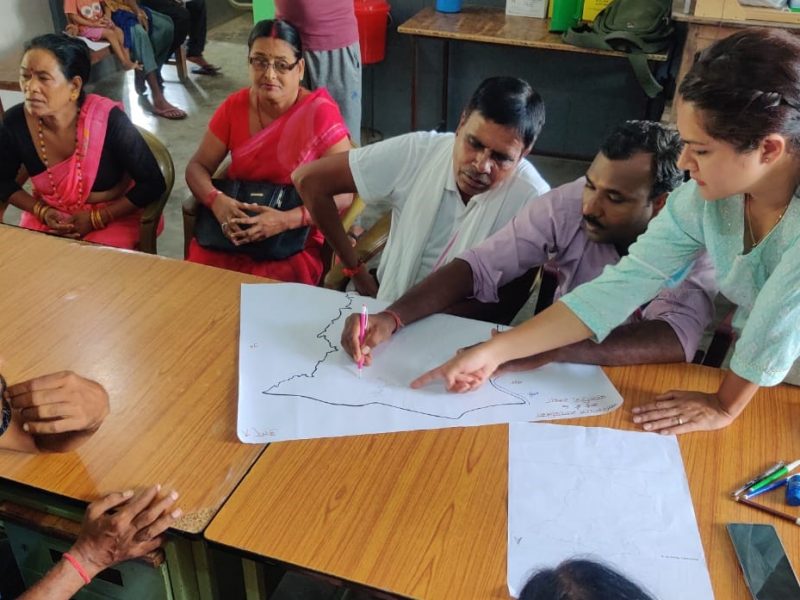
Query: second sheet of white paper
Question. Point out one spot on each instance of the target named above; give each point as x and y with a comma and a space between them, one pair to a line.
618, 497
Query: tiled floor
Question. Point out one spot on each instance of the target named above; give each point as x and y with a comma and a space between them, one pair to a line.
200, 96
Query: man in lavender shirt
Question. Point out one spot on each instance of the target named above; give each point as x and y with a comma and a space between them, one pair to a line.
576, 229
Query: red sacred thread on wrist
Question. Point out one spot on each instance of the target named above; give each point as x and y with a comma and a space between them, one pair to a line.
348, 272
398, 323
78, 567
211, 196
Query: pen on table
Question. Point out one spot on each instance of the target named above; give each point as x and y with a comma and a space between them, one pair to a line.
362, 334
772, 486
767, 509
776, 475
758, 478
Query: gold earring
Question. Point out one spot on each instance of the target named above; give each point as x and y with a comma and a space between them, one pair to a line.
73, 96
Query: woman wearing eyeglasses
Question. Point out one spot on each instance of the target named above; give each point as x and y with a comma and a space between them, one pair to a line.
270, 129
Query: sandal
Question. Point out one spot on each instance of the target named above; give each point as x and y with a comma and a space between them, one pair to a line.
173, 113
206, 70
201, 62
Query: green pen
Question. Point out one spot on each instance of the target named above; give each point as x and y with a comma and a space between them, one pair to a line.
758, 478
776, 475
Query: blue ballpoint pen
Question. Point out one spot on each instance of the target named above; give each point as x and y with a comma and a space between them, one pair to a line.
772, 486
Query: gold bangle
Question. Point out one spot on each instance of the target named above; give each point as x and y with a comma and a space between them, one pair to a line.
98, 218
93, 217
40, 210
37, 209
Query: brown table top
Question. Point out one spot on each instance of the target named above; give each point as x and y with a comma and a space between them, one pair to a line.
719, 21
161, 335
424, 514
492, 26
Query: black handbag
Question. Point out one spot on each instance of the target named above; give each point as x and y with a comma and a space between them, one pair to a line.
208, 232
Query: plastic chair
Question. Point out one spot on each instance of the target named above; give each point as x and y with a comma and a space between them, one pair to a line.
148, 224
369, 244
189, 208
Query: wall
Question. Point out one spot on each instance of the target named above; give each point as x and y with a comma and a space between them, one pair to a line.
584, 95
22, 19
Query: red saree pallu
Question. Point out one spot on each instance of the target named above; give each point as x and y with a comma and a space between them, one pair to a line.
300, 135
72, 180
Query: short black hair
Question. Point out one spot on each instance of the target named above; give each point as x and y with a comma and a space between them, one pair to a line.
581, 580
511, 102
71, 53
663, 143
278, 29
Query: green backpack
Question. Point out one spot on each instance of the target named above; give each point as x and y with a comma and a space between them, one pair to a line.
638, 27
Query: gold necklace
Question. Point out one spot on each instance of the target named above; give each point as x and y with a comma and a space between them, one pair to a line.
753, 243
43, 148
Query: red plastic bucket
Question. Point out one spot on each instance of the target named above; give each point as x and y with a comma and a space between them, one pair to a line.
372, 17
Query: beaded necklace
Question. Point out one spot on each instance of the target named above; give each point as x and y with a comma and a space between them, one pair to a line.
78, 166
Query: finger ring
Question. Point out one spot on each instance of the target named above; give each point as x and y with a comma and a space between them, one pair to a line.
680, 421
224, 226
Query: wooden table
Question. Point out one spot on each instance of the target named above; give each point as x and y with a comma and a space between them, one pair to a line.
161, 335
484, 25
424, 514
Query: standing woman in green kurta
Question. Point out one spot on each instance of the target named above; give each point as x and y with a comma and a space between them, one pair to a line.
739, 117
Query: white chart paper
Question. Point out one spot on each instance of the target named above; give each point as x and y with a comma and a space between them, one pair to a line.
295, 382
618, 497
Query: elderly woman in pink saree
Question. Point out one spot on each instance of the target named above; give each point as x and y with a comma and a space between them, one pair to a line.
269, 129
91, 170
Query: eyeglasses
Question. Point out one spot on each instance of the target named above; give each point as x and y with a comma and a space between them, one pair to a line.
262, 64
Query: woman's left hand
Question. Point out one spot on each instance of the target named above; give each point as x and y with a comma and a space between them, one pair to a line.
679, 411
82, 222
465, 372
265, 223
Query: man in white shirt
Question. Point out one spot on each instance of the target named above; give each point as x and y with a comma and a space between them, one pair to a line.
447, 192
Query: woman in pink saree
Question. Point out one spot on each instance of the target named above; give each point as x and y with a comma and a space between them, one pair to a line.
91, 170
270, 129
